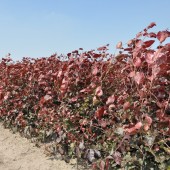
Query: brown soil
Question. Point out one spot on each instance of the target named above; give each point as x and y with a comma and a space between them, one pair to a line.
18, 153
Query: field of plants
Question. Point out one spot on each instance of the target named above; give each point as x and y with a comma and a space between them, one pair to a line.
109, 111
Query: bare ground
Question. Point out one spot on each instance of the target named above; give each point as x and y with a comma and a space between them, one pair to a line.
18, 153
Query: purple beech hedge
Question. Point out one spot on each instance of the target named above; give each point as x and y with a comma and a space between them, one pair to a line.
112, 111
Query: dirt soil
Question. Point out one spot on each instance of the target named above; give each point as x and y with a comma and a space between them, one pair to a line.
18, 153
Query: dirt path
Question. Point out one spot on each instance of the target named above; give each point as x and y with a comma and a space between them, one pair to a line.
17, 153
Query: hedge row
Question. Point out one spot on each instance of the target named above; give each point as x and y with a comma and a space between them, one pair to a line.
111, 111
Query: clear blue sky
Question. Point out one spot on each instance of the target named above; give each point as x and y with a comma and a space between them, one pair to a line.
38, 28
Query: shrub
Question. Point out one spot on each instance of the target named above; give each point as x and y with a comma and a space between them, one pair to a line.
112, 111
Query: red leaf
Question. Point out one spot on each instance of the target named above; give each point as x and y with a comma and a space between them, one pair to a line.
126, 106
7, 95
159, 104
74, 99
138, 125
162, 35
99, 91
107, 164
155, 71
134, 129
75, 51
132, 74
152, 24
138, 34
151, 35
69, 54
139, 43
94, 166
147, 44
148, 122
103, 123
128, 49
110, 100
99, 113
149, 58
137, 62
167, 47
146, 127
47, 97
59, 74
86, 90
96, 55
95, 71
86, 136
130, 43
102, 165
102, 48
139, 77
119, 45
117, 157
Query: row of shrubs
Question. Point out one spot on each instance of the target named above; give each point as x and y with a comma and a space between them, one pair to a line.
112, 111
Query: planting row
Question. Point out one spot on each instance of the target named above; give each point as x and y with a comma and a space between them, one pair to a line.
112, 111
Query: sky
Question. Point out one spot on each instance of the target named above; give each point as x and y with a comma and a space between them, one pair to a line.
40, 28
